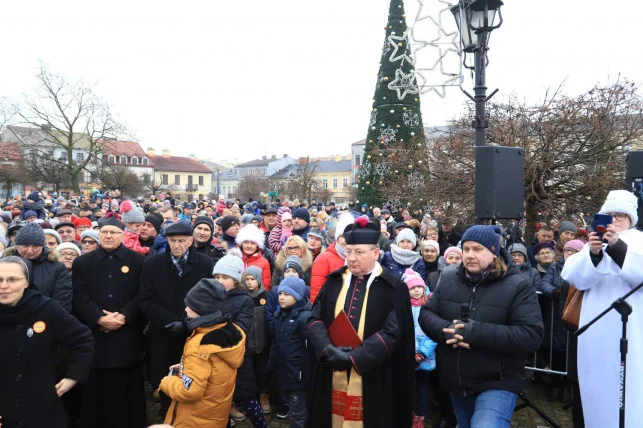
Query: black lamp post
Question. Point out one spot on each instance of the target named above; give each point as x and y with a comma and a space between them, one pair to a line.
475, 20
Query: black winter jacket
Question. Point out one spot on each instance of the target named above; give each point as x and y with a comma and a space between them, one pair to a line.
288, 357
31, 333
555, 290
257, 338
50, 276
505, 325
213, 251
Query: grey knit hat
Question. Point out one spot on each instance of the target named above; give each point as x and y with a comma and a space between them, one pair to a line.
53, 233
130, 213
90, 233
206, 296
255, 271
229, 265
294, 262
31, 234
518, 248
566, 226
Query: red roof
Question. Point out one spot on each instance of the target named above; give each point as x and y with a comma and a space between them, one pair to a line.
179, 164
127, 148
10, 152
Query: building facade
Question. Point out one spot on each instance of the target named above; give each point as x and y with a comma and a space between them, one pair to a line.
184, 177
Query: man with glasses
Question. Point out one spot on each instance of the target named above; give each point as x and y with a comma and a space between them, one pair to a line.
67, 232
106, 290
50, 275
165, 281
373, 382
89, 240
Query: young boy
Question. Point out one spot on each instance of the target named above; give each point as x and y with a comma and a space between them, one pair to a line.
288, 357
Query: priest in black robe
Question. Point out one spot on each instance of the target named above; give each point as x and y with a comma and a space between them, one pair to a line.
370, 385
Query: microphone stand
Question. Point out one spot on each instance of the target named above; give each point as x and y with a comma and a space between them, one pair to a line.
625, 309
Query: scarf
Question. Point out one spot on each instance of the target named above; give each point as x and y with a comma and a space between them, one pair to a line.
404, 257
478, 278
341, 251
419, 302
204, 321
257, 292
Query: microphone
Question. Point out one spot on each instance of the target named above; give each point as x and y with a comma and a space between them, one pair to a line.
464, 312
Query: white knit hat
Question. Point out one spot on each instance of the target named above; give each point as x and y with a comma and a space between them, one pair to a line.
406, 234
343, 221
621, 201
229, 265
251, 233
430, 243
68, 246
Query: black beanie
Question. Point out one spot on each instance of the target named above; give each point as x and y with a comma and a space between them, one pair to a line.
228, 221
206, 297
204, 219
155, 220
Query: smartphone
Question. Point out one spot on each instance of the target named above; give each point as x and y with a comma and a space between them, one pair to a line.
173, 372
600, 223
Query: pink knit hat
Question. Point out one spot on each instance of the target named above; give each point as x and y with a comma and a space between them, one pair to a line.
575, 244
412, 279
452, 250
286, 216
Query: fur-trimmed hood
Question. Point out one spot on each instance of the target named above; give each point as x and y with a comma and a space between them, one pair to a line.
51, 256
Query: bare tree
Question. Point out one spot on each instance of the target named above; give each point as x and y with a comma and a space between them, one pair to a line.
251, 187
123, 178
73, 119
305, 180
152, 185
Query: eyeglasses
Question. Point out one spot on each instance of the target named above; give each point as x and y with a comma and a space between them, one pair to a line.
69, 255
110, 232
619, 216
358, 253
89, 242
292, 248
11, 280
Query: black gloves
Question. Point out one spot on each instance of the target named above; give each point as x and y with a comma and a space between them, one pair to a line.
338, 358
177, 327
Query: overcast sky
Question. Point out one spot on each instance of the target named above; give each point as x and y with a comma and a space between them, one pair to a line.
244, 78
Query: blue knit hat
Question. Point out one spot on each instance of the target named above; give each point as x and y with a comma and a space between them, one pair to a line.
488, 236
302, 213
294, 286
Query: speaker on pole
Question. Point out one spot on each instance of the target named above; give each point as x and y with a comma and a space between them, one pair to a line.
500, 187
635, 179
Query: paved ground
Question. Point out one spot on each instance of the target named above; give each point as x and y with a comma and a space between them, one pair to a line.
525, 418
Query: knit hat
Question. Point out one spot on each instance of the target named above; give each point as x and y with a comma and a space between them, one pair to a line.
286, 216
257, 218
429, 243
246, 218
256, 273
131, 213
407, 234
228, 221
180, 228
518, 248
205, 297
251, 233
488, 236
539, 246
575, 244
567, 226
452, 250
68, 246
294, 286
229, 265
31, 234
82, 221
294, 262
301, 213
344, 220
412, 279
90, 233
54, 234
34, 196
621, 201
206, 221
29, 213
155, 220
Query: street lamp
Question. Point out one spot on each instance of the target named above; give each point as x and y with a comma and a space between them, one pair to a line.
475, 20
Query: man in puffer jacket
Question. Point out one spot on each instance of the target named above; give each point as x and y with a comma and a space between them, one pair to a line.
402, 255
497, 324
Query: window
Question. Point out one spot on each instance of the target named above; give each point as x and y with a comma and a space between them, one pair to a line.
200, 180
325, 183
111, 159
165, 179
145, 162
334, 183
134, 160
177, 180
123, 160
357, 160
344, 182
80, 156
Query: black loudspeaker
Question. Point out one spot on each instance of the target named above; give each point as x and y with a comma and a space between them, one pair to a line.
500, 187
635, 179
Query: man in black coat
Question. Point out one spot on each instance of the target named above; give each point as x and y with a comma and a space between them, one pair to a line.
165, 281
372, 383
202, 232
106, 289
485, 317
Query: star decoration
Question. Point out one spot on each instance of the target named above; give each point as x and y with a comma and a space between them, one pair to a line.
405, 54
404, 83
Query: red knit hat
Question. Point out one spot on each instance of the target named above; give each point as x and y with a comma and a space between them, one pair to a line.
82, 221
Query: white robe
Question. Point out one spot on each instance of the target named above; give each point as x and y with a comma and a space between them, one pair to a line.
598, 348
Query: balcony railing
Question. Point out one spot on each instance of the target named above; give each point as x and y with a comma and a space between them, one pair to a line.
191, 187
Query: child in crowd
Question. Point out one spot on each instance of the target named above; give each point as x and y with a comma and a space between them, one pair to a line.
251, 243
286, 227
202, 385
424, 347
288, 357
258, 342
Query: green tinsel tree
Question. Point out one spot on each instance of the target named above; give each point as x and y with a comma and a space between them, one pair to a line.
395, 163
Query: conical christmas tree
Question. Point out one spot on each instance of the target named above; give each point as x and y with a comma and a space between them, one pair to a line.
395, 165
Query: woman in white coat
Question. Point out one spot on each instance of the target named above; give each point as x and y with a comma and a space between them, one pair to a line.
605, 272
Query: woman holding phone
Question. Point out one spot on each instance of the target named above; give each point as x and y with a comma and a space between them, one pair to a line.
605, 270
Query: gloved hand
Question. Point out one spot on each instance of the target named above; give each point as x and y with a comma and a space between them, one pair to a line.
338, 358
176, 327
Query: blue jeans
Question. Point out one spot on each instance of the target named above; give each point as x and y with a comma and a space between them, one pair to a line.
489, 409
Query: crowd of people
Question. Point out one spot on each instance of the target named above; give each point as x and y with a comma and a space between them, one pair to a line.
321, 315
